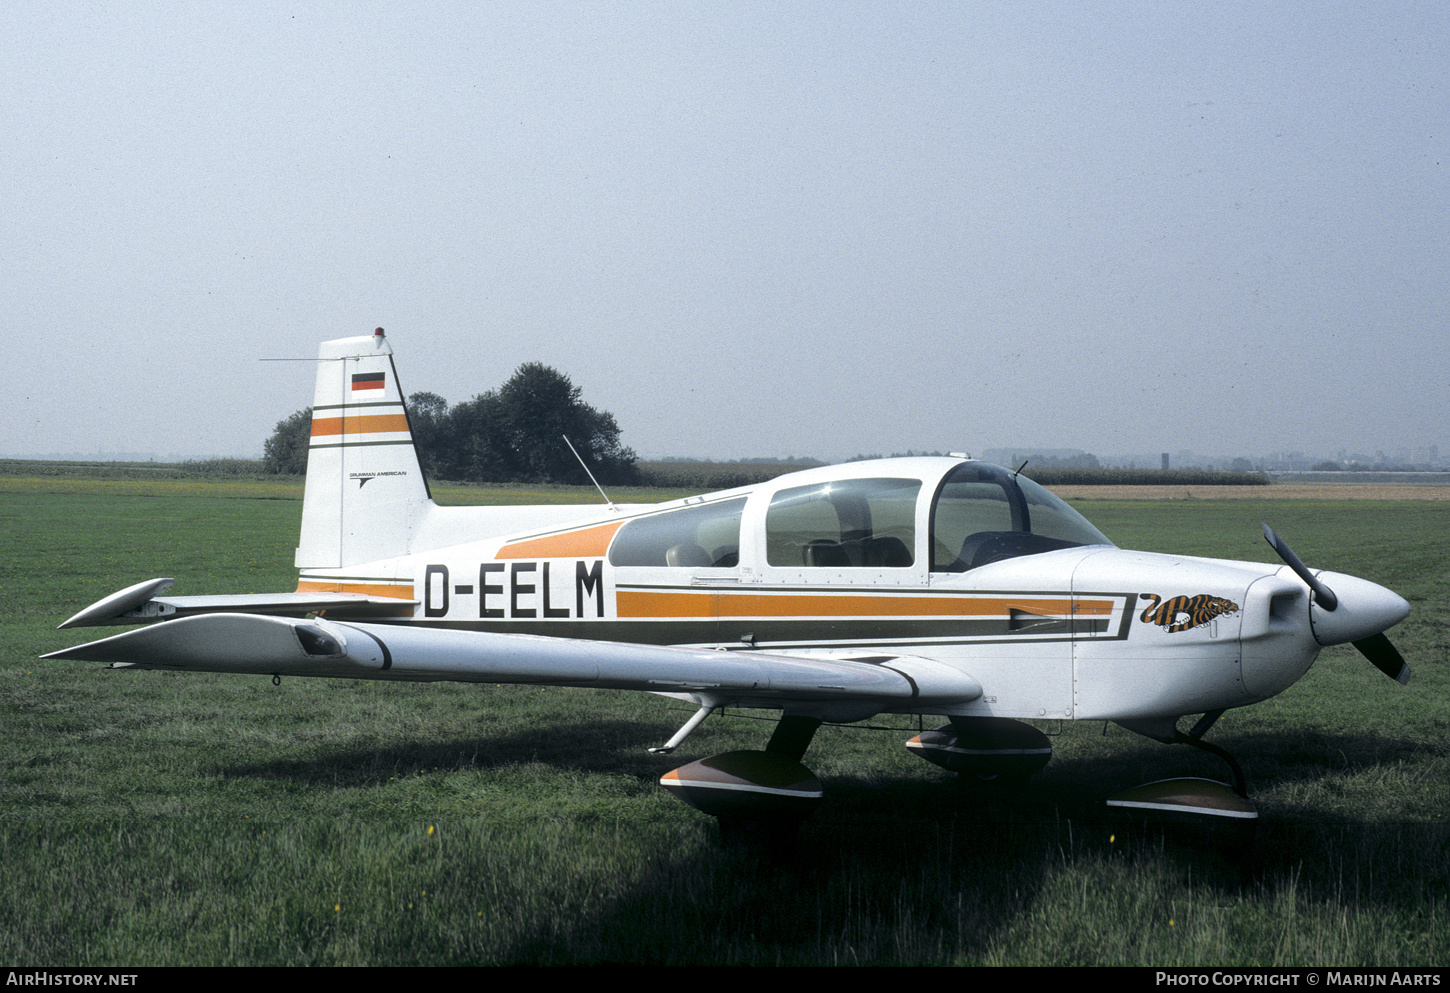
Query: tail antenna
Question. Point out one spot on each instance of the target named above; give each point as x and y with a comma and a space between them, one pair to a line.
612, 507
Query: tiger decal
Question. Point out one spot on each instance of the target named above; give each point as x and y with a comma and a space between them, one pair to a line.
1184, 612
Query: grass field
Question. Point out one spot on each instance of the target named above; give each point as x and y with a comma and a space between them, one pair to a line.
159, 818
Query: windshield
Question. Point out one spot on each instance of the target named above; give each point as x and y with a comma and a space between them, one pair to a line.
983, 513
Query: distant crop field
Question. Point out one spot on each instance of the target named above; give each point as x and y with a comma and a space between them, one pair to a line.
161, 818
1278, 491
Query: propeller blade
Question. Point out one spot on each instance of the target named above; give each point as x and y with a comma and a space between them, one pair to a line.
1384, 657
1323, 595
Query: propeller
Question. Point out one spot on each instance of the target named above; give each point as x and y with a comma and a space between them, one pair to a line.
1360, 618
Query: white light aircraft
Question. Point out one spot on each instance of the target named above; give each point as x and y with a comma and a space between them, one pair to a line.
924, 586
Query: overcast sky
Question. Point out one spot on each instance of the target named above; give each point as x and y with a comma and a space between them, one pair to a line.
745, 229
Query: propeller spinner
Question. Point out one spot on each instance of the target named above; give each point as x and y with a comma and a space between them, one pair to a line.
1360, 613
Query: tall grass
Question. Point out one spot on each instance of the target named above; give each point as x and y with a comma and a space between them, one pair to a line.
162, 818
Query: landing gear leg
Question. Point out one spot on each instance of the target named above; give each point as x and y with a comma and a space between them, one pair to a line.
1195, 738
792, 737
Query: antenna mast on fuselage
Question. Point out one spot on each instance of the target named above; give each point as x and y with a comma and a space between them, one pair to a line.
612, 507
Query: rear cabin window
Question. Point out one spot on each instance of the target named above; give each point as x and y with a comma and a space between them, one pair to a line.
705, 536
852, 523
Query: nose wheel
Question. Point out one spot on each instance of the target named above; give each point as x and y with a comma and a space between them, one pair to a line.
1190, 800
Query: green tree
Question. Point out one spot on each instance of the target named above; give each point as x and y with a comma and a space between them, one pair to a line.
516, 434
428, 417
537, 409
470, 444
286, 451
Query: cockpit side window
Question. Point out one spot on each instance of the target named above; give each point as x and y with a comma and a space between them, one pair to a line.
706, 536
850, 523
983, 514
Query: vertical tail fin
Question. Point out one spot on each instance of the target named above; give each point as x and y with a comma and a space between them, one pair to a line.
365, 490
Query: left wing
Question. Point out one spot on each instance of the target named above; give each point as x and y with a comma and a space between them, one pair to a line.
838, 689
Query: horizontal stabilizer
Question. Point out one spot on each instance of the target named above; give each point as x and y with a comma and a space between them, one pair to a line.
836, 689
141, 604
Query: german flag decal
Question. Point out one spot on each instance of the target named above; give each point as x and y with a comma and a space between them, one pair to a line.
368, 381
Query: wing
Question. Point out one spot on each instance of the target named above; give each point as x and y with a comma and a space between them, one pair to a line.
837, 689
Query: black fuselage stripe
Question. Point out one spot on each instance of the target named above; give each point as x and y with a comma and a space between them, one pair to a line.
364, 444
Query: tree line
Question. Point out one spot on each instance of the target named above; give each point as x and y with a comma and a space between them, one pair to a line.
514, 434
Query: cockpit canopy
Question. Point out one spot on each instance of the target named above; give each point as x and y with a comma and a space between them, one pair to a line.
982, 513
979, 513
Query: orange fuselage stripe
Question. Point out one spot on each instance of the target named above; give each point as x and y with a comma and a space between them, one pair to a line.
398, 590
358, 424
713, 603
591, 543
